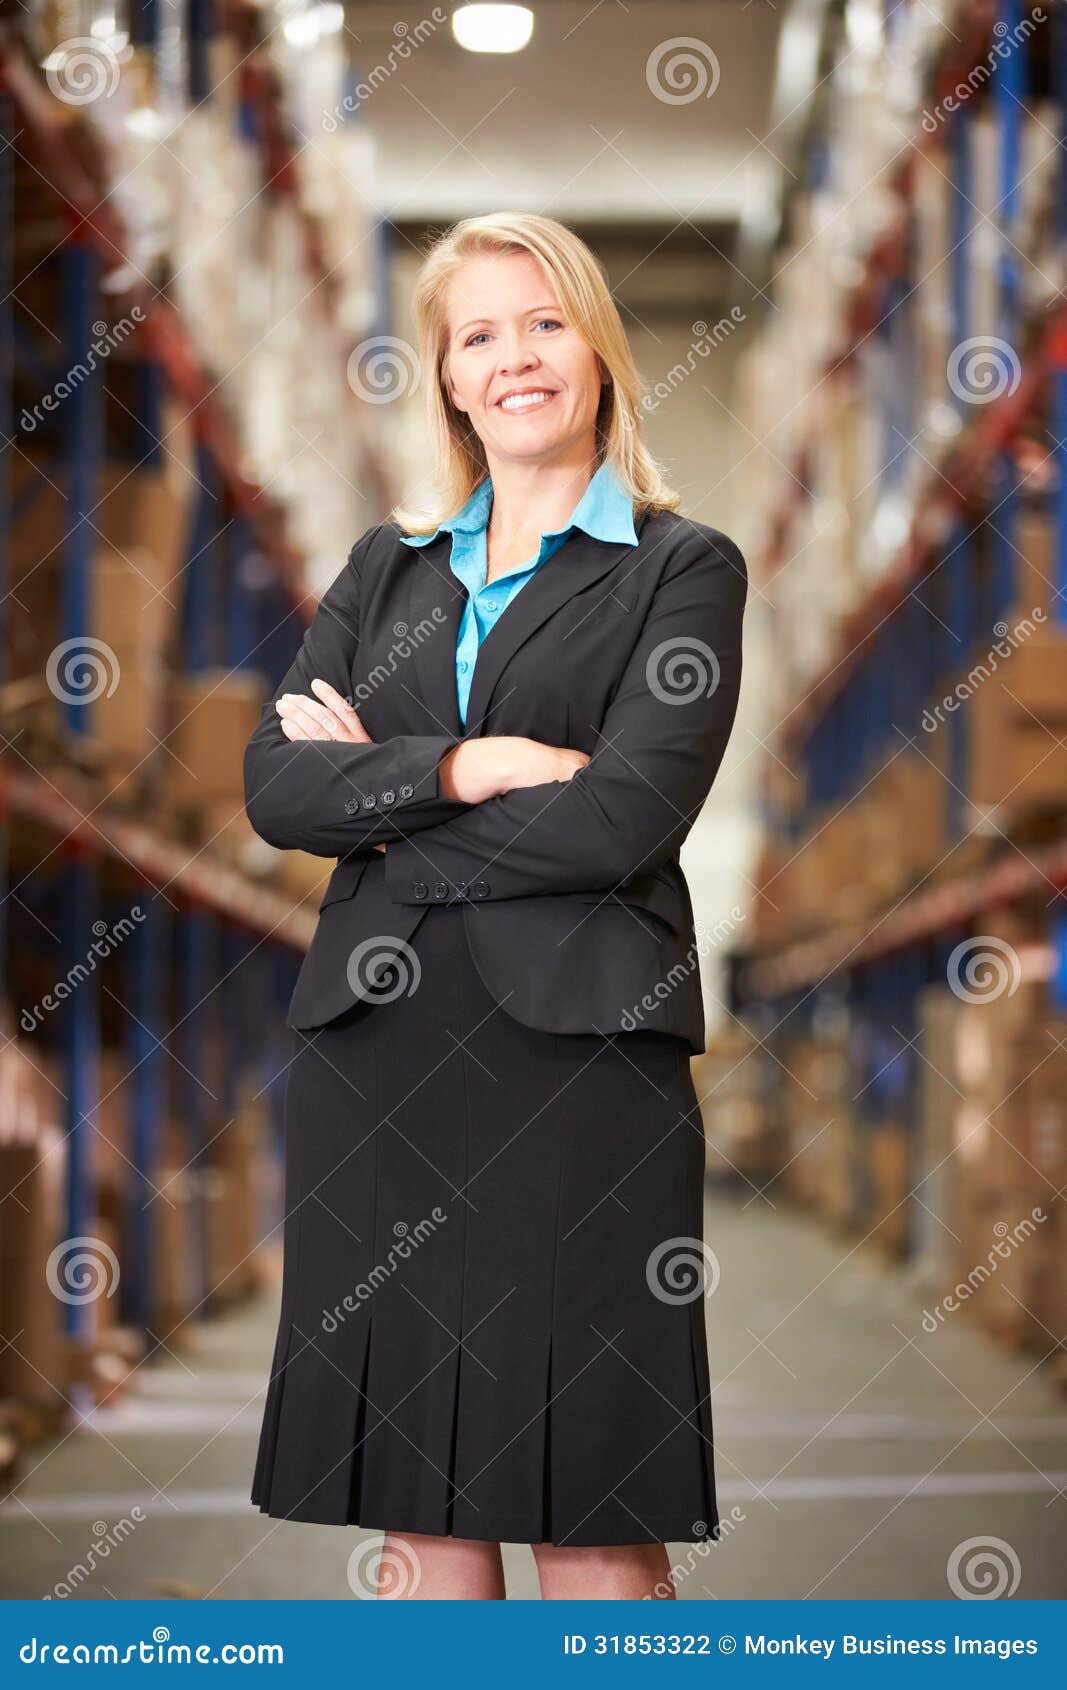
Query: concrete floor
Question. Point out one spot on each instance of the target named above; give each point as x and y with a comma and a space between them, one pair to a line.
856, 1451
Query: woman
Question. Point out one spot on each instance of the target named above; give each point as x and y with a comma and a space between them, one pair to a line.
503, 721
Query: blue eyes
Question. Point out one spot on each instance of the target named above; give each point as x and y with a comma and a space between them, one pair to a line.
556, 324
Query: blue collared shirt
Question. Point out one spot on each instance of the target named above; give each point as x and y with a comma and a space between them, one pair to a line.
604, 511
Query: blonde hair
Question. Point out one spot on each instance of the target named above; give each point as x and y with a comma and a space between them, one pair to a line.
585, 300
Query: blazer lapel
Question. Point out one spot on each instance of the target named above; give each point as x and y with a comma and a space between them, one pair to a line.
578, 564
437, 604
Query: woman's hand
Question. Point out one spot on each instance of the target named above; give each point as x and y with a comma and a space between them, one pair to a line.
326, 716
472, 771
534, 764
486, 768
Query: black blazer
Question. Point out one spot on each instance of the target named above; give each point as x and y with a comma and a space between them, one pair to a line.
576, 910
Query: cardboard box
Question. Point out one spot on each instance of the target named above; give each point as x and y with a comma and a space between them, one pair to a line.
1032, 1121
936, 1170
1035, 564
213, 716
919, 791
233, 1232
134, 605
303, 877
887, 1148
740, 1130
174, 1238
1017, 717
229, 834
132, 509
1049, 1286
127, 725
32, 1349
1015, 760
150, 506
1002, 1266
815, 1105
1035, 675
771, 909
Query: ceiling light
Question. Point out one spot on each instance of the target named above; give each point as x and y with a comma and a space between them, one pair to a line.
492, 29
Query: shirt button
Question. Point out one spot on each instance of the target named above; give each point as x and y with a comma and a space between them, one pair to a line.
481, 888
406, 791
419, 888
463, 665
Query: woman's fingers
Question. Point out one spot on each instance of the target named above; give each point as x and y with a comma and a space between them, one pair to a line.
303, 714
342, 710
331, 719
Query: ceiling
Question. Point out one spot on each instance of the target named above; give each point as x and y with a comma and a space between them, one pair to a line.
570, 126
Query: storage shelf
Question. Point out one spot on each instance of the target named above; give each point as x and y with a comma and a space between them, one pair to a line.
71, 809
921, 916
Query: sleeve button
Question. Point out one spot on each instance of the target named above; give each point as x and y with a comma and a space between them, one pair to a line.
407, 791
351, 806
481, 889
441, 889
419, 888
369, 801
389, 797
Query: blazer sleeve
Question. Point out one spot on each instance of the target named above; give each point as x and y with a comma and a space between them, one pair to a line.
631, 806
330, 796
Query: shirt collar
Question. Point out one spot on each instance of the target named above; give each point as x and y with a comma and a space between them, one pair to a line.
604, 511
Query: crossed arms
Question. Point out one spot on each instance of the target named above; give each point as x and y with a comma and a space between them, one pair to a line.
627, 810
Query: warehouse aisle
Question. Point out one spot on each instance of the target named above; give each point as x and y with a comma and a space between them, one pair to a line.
859, 1455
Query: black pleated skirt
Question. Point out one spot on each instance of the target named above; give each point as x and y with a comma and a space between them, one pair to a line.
492, 1318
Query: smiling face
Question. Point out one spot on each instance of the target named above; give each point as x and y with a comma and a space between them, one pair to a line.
507, 336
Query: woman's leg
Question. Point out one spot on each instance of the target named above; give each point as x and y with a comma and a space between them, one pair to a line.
627, 1570
441, 1569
